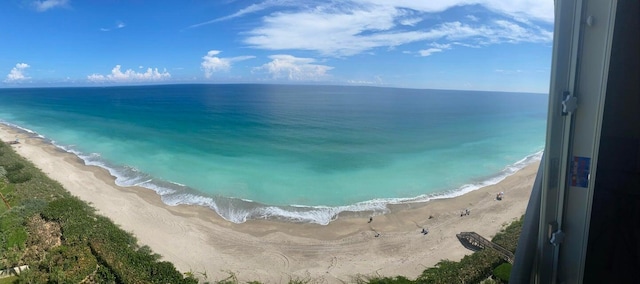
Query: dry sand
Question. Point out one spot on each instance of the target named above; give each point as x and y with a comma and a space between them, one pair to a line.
196, 239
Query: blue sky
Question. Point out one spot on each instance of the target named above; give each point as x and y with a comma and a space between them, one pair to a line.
441, 44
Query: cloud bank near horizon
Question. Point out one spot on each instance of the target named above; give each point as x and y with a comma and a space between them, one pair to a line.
130, 76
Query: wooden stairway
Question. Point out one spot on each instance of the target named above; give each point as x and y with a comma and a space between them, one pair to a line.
475, 242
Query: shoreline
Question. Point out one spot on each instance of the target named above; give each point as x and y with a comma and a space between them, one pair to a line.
195, 238
238, 210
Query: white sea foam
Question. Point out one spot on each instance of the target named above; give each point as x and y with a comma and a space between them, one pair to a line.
162, 191
176, 183
21, 128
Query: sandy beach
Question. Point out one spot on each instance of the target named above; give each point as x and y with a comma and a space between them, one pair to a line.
196, 239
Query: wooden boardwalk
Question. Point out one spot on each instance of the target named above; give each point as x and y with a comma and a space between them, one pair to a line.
475, 242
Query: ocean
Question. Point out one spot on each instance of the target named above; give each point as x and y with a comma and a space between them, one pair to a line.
288, 152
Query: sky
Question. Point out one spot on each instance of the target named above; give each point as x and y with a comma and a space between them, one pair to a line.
494, 45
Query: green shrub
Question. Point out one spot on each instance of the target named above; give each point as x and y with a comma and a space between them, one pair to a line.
31, 276
16, 237
134, 266
12, 232
8, 280
19, 176
10, 257
165, 272
29, 207
104, 275
445, 271
502, 272
74, 216
65, 209
70, 264
13, 167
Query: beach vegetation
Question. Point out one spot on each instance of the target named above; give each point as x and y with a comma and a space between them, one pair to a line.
509, 235
298, 280
231, 279
502, 272
16, 237
15, 174
8, 280
385, 280
63, 239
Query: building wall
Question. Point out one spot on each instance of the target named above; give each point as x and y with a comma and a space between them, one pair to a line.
613, 252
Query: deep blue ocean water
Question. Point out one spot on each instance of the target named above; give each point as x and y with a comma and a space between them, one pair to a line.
300, 153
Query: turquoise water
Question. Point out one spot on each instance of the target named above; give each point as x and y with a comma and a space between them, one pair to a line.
300, 153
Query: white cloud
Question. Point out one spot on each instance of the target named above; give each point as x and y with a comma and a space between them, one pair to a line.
441, 46
466, 44
335, 34
118, 25
435, 47
517, 33
410, 21
211, 63
294, 68
253, 8
130, 76
427, 52
540, 10
377, 80
44, 5
17, 74
345, 28
508, 72
347, 31
345, 35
